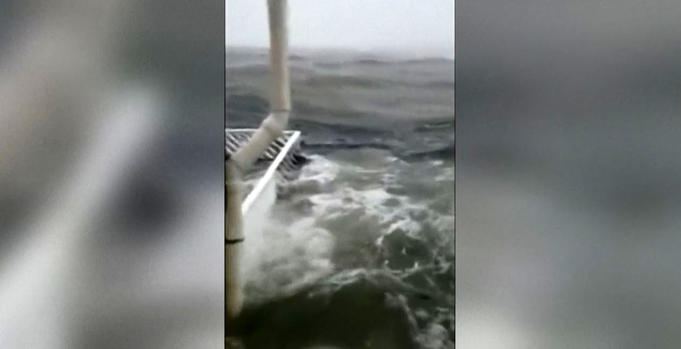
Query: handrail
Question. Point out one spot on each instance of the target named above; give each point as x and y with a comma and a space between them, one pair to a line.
271, 170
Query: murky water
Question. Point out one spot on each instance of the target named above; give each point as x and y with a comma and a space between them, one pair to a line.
359, 252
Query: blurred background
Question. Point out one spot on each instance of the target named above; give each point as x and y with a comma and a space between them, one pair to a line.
568, 174
111, 174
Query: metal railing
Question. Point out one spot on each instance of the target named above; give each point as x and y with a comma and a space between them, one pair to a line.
281, 157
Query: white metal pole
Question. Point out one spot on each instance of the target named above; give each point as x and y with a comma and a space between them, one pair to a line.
280, 99
270, 129
281, 94
234, 238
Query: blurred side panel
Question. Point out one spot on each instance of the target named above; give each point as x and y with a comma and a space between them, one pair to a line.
111, 174
568, 174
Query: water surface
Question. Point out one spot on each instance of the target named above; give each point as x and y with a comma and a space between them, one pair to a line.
359, 251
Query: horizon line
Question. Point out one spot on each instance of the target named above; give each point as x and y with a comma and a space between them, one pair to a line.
429, 52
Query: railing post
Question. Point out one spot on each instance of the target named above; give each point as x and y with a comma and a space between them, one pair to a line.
234, 238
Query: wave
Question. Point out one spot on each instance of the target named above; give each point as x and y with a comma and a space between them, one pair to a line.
348, 81
364, 234
347, 310
349, 249
447, 152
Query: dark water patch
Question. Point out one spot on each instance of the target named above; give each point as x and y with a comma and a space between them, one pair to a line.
436, 141
447, 152
262, 70
430, 61
400, 251
330, 65
338, 313
345, 81
343, 113
245, 110
323, 135
342, 145
377, 82
447, 124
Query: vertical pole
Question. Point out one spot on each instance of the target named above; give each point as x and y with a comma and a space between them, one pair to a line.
280, 99
234, 237
271, 128
280, 94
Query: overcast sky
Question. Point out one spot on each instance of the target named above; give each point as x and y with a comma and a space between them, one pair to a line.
424, 27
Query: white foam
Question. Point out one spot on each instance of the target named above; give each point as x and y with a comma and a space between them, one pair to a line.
287, 254
294, 251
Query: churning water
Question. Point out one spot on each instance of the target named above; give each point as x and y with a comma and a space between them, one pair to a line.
359, 250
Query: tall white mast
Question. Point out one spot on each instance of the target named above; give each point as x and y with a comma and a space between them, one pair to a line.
270, 129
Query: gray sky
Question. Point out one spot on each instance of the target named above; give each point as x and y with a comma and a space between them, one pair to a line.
424, 27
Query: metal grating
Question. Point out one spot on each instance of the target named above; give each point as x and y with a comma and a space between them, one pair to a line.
286, 165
